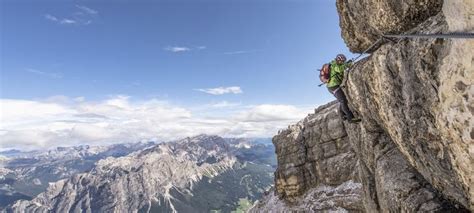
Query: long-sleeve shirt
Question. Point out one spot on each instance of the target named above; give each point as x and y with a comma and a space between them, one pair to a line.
337, 74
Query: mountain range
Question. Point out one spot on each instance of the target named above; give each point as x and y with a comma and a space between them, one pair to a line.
199, 174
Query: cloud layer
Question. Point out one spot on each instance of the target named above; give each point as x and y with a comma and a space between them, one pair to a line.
222, 90
62, 121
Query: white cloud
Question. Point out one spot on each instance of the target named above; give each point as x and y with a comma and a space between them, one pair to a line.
221, 90
224, 104
178, 49
64, 21
240, 52
79, 99
17, 112
51, 17
84, 16
47, 74
270, 113
63, 121
67, 21
87, 9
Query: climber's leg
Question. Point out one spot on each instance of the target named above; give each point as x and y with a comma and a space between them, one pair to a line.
341, 97
343, 116
343, 107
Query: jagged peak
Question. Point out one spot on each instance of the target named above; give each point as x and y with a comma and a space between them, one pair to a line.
200, 138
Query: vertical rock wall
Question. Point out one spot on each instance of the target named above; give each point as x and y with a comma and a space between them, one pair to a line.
455, 110
414, 149
420, 92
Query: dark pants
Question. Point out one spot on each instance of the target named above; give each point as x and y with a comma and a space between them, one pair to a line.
341, 97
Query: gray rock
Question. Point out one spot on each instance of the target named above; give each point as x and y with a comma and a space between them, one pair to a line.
398, 89
310, 154
363, 21
413, 152
345, 197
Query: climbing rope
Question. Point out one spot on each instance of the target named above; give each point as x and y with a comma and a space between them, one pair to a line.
456, 35
435, 35
366, 50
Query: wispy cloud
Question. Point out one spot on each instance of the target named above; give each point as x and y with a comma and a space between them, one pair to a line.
240, 52
224, 104
67, 21
181, 49
221, 90
178, 49
64, 21
51, 17
62, 121
87, 9
84, 16
46, 74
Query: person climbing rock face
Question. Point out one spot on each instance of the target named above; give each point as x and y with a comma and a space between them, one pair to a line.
334, 81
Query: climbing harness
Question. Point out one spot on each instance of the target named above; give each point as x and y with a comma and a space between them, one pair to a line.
390, 37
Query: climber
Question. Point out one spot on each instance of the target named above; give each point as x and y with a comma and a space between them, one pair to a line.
332, 74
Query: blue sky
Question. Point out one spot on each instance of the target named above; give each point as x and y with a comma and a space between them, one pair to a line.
190, 54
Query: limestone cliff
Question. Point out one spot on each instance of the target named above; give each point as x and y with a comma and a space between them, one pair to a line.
414, 149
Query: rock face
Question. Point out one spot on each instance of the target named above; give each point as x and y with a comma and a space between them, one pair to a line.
362, 22
322, 152
315, 153
455, 110
414, 149
342, 198
420, 93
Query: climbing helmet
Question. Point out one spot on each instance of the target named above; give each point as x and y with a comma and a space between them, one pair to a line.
340, 58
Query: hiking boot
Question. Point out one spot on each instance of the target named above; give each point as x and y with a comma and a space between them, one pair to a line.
355, 120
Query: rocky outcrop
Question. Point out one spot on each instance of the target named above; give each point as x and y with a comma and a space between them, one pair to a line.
322, 152
363, 22
315, 153
323, 198
312, 152
414, 148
